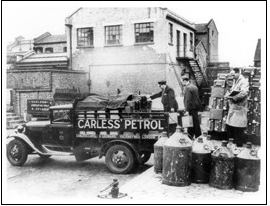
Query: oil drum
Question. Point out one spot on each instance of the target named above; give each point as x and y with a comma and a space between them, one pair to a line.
222, 168
201, 162
158, 153
177, 159
247, 170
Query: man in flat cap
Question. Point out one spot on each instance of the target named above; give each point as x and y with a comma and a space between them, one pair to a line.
168, 100
167, 97
192, 105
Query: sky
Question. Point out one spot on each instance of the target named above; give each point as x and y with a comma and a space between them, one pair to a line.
240, 24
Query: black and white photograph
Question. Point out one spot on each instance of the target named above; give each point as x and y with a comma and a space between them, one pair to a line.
134, 102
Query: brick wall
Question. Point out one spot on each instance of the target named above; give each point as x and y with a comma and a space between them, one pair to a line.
130, 67
33, 84
59, 47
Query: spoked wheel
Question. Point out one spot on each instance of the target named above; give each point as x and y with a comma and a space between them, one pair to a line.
120, 159
17, 152
145, 156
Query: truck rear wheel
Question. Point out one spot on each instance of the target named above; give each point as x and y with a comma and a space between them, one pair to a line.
17, 152
119, 159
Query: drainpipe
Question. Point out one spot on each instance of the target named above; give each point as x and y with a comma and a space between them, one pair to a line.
69, 26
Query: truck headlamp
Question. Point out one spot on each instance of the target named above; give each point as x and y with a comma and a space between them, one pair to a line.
20, 129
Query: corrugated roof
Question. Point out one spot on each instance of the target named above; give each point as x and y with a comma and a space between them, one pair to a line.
53, 39
201, 27
50, 57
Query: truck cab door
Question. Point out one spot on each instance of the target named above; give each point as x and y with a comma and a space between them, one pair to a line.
61, 128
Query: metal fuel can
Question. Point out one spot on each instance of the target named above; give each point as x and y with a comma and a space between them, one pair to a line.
222, 168
177, 159
158, 152
201, 162
247, 170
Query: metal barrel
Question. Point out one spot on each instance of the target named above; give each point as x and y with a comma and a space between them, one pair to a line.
201, 167
176, 166
177, 159
221, 175
158, 158
222, 168
247, 170
201, 160
158, 153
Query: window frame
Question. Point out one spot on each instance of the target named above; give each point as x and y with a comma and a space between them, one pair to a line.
170, 34
84, 38
113, 30
191, 41
139, 27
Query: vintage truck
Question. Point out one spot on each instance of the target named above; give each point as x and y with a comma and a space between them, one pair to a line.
121, 128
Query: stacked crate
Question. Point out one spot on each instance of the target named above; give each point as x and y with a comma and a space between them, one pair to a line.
218, 104
254, 103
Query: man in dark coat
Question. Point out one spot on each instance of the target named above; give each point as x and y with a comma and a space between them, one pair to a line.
167, 97
192, 105
168, 100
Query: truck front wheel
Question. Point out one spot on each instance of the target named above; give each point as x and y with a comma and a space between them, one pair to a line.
119, 159
17, 152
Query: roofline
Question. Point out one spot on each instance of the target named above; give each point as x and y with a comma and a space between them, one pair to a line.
179, 20
74, 12
212, 20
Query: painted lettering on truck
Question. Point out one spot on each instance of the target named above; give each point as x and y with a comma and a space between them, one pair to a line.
126, 124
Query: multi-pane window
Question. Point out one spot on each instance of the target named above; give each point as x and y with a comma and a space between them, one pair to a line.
191, 41
170, 33
85, 37
113, 35
144, 32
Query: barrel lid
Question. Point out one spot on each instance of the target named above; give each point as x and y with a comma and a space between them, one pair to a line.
223, 151
161, 141
200, 147
249, 153
178, 139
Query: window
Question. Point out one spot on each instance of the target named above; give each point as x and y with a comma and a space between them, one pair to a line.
65, 49
61, 116
85, 37
49, 50
170, 33
113, 35
38, 50
213, 32
144, 32
191, 41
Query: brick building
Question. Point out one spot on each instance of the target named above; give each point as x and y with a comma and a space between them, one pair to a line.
207, 33
19, 47
130, 48
47, 43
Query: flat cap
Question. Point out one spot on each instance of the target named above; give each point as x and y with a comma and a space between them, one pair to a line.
162, 82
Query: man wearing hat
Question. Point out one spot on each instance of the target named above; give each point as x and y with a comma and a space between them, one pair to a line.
192, 105
167, 97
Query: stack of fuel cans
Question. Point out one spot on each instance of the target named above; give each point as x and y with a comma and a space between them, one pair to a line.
218, 104
182, 162
253, 74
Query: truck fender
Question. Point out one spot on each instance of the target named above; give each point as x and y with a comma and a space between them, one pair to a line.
26, 140
134, 148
